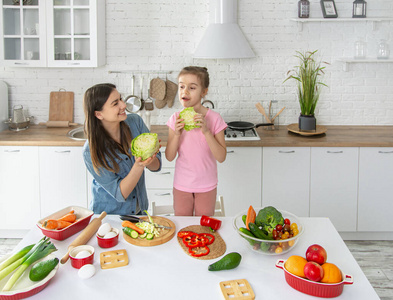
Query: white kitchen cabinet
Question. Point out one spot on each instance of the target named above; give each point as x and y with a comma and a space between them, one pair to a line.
334, 185
63, 178
239, 179
375, 189
23, 38
159, 185
60, 33
19, 190
286, 179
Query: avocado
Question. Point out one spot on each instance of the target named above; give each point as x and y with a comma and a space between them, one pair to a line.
40, 270
228, 262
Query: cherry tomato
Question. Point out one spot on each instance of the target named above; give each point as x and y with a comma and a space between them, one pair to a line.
275, 234
287, 221
279, 227
293, 226
287, 227
291, 243
295, 232
278, 250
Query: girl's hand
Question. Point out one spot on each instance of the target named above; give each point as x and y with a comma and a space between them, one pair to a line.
200, 120
179, 126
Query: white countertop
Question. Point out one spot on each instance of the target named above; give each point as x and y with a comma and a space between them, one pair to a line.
166, 272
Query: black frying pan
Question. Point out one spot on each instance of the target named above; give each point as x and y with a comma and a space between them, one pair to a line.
241, 125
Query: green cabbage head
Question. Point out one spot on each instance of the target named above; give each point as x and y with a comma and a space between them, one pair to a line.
145, 145
188, 115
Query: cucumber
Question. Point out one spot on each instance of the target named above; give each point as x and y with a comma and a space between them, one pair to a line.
228, 262
244, 218
249, 233
142, 236
258, 232
130, 232
149, 236
40, 270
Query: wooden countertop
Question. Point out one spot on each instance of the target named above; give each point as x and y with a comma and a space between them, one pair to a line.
336, 136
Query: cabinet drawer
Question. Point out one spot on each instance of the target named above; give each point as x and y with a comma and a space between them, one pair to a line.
166, 163
160, 196
160, 180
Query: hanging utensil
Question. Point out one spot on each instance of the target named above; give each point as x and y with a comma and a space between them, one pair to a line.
133, 102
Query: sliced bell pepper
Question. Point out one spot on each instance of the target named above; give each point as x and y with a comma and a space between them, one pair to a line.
182, 234
199, 251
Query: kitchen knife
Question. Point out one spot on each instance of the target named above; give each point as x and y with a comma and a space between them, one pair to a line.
135, 219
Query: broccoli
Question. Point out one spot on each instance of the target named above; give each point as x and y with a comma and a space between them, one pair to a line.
268, 218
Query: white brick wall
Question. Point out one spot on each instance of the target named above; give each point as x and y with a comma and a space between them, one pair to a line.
162, 35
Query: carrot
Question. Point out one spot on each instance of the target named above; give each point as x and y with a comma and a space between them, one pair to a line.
251, 215
70, 217
56, 224
132, 226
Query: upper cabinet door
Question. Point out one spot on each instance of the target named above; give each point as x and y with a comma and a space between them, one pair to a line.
76, 33
23, 37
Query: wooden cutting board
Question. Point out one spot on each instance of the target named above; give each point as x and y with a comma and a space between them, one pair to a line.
165, 234
61, 106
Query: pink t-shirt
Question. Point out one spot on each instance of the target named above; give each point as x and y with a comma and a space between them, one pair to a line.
196, 167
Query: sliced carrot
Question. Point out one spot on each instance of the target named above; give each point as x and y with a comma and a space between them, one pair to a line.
251, 215
70, 217
132, 226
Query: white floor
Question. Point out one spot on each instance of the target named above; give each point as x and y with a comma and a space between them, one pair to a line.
374, 257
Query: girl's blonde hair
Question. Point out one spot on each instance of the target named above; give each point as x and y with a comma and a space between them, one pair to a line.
200, 72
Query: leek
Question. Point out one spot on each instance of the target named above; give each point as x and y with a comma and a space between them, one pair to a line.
41, 249
15, 257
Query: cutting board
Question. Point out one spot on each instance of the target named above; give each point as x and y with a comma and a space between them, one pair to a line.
61, 106
165, 234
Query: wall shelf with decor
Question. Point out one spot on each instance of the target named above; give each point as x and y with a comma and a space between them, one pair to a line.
334, 20
348, 60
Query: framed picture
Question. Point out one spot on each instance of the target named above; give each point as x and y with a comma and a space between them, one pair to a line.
329, 9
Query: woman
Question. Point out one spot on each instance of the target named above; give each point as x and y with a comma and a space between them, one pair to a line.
119, 183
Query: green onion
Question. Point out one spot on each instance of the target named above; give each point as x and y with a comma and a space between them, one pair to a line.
41, 249
15, 257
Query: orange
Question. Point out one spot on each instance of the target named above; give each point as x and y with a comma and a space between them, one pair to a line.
295, 265
331, 273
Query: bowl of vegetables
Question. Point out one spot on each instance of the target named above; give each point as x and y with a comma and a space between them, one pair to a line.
267, 230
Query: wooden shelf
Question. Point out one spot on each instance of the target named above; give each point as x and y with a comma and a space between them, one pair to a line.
334, 20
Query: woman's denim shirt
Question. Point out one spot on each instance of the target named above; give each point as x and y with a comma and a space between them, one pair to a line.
106, 185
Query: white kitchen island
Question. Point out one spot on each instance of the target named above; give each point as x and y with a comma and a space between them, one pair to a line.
167, 272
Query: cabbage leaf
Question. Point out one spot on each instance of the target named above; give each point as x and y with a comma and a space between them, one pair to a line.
145, 145
188, 115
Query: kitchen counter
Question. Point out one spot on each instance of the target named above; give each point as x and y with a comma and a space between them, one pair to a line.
166, 272
336, 136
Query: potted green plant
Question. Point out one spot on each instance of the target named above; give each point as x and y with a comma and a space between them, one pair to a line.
307, 74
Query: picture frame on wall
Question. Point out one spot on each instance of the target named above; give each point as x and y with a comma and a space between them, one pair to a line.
329, 9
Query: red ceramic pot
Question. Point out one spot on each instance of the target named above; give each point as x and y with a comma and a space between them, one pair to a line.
78, 263
214, 224
108, 242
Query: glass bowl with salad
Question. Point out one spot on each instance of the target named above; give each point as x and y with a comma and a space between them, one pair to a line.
269, 231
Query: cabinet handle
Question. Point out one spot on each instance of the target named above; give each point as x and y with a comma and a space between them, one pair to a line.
73, 64
231, 151
162, 194
291, 151
21, 64
12, 151
65, 151
385, 152
334, 151
164, 173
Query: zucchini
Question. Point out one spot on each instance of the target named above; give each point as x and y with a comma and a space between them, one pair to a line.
40, 270
255, 230
149, 236
249, 233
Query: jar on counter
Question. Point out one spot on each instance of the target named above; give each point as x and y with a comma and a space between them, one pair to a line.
383, 50
360, 49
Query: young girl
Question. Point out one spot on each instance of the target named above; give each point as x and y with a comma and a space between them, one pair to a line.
198, 150
119, 183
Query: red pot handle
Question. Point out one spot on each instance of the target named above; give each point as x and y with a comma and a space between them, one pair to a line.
280, 264
348, 279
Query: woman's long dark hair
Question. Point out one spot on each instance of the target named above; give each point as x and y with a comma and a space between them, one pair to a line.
103, 149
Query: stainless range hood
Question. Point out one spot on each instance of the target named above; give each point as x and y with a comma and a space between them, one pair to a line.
223, 37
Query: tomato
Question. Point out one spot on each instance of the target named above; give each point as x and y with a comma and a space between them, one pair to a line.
287, 221
279, 227
291, 243
275, 234
293, 226
287, 227
295, 231
278, 250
